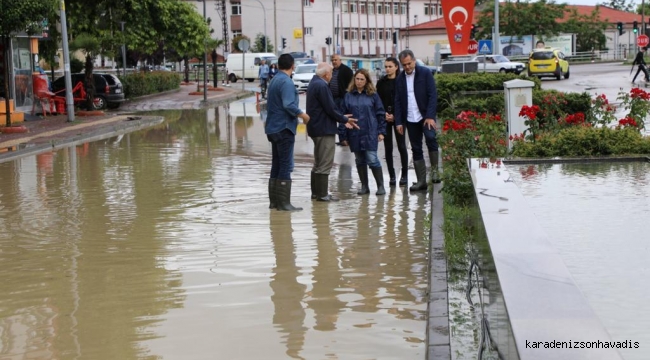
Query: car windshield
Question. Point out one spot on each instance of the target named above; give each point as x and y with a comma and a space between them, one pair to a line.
501, 59
306, 69
270, 59
542, 55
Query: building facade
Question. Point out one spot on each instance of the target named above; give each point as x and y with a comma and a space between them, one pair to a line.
356, 27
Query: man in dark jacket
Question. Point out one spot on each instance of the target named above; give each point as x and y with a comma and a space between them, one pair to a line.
639, 60
322, 127
341, 78
415, 107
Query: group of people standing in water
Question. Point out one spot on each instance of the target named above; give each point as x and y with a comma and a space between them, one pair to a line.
346, 103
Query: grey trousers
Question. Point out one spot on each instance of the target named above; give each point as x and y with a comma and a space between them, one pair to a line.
324, 147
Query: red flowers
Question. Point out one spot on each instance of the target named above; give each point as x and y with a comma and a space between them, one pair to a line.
575, 119
628, 122
529, 111
637, 93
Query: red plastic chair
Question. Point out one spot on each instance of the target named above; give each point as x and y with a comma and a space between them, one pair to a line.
42, 95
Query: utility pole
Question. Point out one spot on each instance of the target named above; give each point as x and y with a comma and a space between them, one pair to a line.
496, 43
69, 103
275, 28
205, 59
124, 51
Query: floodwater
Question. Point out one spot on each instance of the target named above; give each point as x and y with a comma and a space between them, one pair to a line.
595, 215
159, 244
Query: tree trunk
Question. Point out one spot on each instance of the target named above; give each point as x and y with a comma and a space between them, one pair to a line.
90, 83
5, 65
187, 69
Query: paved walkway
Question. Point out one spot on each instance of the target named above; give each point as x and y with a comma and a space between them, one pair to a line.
49, 129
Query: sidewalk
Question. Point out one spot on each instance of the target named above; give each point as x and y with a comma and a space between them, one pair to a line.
44, 130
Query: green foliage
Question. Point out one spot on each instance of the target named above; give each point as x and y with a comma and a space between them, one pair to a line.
145, 83
452, 88
584, 141
590, 29
18, 16
523, 18
76, 65
623, 5
258, 45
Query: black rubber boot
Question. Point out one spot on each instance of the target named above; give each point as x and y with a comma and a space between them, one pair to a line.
322, 186
421, 173
283, 195
404, 179
272, 201
314, 189
363, 176
379, 178
391, 177
435, 175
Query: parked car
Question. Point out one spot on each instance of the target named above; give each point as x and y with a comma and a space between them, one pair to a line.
303, 76
498, 63
301, 61
548, 62
109, 92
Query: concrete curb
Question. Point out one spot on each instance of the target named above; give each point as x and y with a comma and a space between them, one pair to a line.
106, 131
437, 334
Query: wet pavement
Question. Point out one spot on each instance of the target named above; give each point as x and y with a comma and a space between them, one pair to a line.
160, 244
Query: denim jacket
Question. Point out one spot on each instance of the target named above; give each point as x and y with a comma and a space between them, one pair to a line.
282, 105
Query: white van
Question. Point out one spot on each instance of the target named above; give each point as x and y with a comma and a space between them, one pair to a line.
251, 61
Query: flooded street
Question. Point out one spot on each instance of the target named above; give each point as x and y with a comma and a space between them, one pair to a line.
159, 244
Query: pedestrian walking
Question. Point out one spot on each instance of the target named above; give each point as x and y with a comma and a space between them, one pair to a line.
386, 91
324, 118
642, 67
280, 128
363, 102
415, 107
263, 75
341, 79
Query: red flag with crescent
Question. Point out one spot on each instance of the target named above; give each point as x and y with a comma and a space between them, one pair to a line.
459, 15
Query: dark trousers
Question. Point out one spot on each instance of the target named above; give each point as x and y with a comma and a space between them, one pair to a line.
282, 144
401, 146
416, 130
324, 148
645, 72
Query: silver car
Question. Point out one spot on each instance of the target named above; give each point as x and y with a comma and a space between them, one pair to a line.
498, 63
303, 75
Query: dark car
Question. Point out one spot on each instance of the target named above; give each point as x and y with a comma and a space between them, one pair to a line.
109, 92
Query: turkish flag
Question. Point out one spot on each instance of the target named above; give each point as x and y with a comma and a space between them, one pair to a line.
458, 21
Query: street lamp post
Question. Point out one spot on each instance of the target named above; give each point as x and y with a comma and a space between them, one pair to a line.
266, 39
205, 61
123, 51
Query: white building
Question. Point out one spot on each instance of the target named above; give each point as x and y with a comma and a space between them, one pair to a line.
357, 27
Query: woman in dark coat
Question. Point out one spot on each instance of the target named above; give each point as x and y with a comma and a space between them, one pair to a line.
386, 91
363, 102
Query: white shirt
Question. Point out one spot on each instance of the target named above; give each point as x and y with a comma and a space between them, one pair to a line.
412, 111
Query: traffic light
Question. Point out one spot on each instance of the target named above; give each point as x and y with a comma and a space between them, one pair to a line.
284, 42
619, 26
635, 26
473, 32
328, 40
263, 42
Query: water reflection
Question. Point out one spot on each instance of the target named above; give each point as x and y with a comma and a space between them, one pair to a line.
156, 244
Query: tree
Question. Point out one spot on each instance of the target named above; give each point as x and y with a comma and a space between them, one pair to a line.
589, 30
16, 17
90, 47
258, 45
623, 5
522, 18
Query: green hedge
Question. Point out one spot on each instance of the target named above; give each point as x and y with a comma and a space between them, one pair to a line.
451, 101
145, 83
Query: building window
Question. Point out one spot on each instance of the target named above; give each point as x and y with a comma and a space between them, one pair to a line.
381, 34
439, 10
346, 35
387, 8
236, 9
430, 9
380, 8
402, 9
354, 35
236, 33
308, 31
395, 9
336, 3
353, 7
307, 3
371, 34
345, 7
364, 35
362, 8
371, 8
388, 35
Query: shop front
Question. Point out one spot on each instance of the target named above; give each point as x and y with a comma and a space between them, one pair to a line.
22, 57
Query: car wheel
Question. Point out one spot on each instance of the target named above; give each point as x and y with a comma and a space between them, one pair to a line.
559, 74
566, 76
113, 105
250, 80
99, 103
502, 71
232, 78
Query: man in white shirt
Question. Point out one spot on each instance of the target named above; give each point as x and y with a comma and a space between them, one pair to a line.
416, 99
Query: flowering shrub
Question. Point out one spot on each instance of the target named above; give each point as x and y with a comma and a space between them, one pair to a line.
533, 123
469, 135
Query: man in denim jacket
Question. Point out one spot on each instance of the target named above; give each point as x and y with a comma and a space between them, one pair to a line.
280, 129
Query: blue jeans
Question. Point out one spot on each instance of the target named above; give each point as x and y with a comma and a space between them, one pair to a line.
416, 130
362, 158
282, 144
